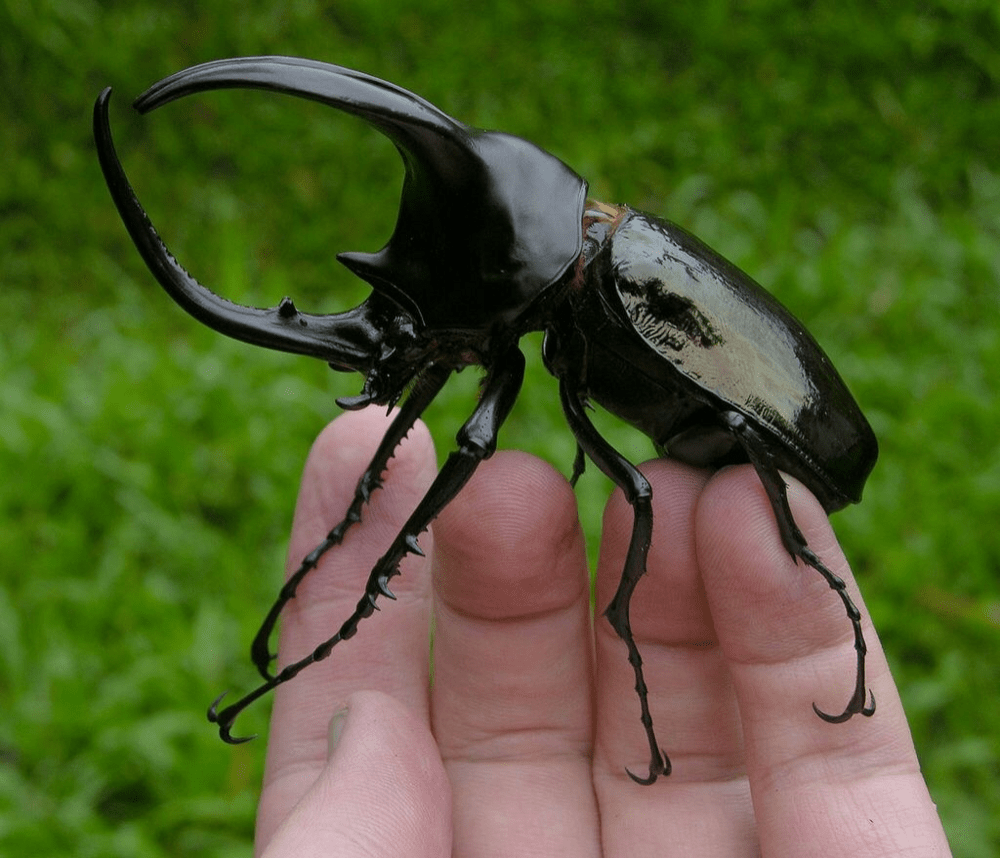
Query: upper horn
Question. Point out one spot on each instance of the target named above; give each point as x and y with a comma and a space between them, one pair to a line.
347, 339
486, 220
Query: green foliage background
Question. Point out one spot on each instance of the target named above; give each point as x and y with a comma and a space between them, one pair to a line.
845, 154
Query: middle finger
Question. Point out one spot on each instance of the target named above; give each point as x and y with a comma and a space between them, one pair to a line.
703, 807
513, 665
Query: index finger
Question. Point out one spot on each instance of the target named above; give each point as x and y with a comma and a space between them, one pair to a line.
390, 651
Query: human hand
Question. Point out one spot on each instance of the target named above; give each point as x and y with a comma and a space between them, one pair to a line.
520, 745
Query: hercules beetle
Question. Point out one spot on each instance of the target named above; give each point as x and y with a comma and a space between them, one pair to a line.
495, 238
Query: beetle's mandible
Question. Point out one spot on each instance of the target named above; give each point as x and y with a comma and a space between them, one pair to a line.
495, 238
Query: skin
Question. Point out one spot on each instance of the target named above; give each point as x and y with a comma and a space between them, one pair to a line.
520, 745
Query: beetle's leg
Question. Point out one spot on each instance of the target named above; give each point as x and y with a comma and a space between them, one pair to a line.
639, 495
477, 441
428, 386
777, 492
579, 465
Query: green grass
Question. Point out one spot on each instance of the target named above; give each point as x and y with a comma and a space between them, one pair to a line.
846, 158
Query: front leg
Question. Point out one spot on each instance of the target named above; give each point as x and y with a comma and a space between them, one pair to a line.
428, 387
477, 441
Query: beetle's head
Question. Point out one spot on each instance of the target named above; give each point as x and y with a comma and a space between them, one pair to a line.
486, 223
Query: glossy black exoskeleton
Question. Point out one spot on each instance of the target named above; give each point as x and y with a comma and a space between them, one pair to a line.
496, 238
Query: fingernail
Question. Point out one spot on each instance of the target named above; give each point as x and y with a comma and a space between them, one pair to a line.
335, 729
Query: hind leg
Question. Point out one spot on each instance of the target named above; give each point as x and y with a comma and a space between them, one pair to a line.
777, 492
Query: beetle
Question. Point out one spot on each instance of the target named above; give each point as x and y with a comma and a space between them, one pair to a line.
495, 238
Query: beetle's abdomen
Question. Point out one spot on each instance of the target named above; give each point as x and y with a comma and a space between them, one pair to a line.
693, 322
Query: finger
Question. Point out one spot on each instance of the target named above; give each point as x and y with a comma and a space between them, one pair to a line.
383, 793
513, 662
818, 788
390, 651
704, 803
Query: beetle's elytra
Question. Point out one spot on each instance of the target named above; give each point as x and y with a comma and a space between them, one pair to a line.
495, 238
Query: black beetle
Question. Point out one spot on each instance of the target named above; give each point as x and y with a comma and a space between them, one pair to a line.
495, 238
